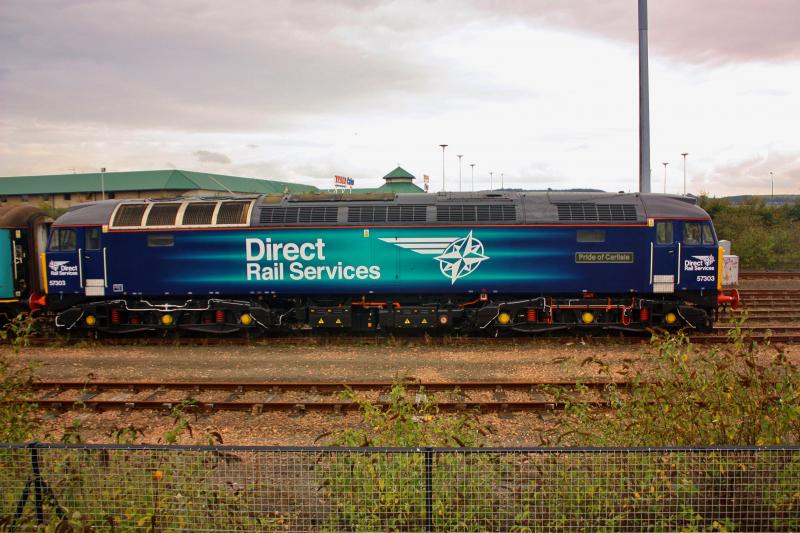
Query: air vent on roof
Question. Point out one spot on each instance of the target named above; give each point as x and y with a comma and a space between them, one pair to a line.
588, 212
476, 213
129, 215
198, 213
162, 215
369, 214
232, 213
298, 215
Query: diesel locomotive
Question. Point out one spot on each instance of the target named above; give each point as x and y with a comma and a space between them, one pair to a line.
487, 261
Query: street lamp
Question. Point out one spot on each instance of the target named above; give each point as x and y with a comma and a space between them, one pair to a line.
502, 183
103, 182
772, 180
459, 171
665, 176
491, 180
473, 176
443, 147
684, 154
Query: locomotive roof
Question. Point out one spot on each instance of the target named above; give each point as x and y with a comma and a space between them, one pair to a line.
320, 208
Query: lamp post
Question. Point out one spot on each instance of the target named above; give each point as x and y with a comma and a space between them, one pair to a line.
459, 156
665, 176
103, 182
502, 182
491, 180
473, 176
684, 154
772, 180
443, 147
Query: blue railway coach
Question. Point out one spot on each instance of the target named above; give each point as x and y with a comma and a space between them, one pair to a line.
468, 261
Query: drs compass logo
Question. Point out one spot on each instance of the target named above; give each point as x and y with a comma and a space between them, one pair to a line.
458, 257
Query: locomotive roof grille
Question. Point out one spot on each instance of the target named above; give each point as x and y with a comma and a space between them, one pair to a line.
476, 213
129, 215
590, 212
199, 213
162, 215
384, 213
232, 213
298, 215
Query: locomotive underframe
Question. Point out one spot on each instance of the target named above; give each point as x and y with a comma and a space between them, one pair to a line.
387, 313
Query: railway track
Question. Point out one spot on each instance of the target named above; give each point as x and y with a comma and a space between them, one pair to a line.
753, 275
301, 397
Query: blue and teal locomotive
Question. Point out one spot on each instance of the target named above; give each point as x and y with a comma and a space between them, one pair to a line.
462, 261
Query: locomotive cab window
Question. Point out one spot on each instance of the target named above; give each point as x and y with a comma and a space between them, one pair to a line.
63, 240
664, 233
159, 240
591, 235
708, 234
92, 238
691, 233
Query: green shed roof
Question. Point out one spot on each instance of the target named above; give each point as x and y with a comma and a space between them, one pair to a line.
143, 180
397, 173
399, 187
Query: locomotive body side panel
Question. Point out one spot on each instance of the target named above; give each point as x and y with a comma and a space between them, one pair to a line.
432, 260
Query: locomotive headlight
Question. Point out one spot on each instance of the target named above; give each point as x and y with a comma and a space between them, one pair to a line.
90, 320
167, 319
587, 317
504, 318
671, 318
246, 319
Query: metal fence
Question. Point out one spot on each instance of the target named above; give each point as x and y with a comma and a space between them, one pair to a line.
179, 488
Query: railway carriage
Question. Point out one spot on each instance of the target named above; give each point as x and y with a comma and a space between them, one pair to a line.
463, 261
23, 236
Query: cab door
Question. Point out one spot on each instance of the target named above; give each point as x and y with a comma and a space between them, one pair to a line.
664, 269
64, 262
94, 262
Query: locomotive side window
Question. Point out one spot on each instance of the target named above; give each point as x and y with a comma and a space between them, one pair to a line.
199, 213
160, 240
691, 233
92, 238
63, 240
591, 235
664, 233
708, 235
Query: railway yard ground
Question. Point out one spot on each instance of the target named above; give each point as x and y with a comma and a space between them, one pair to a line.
306, 361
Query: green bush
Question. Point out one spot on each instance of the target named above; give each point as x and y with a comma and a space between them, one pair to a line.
764, 237
736, 394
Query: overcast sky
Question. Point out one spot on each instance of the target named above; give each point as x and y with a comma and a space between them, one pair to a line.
543, 91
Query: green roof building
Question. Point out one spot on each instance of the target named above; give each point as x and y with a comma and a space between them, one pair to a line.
64, 190
398, 180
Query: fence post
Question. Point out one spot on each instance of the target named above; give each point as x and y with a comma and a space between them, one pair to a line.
428, 489
38, 486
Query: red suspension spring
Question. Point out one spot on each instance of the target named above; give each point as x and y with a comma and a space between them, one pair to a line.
115, 316
531, 315
220, 316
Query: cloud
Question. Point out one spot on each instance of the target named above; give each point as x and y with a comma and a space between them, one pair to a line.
752, 174
717, 31
204, 156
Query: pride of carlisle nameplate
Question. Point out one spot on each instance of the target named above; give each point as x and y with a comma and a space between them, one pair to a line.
604, 257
